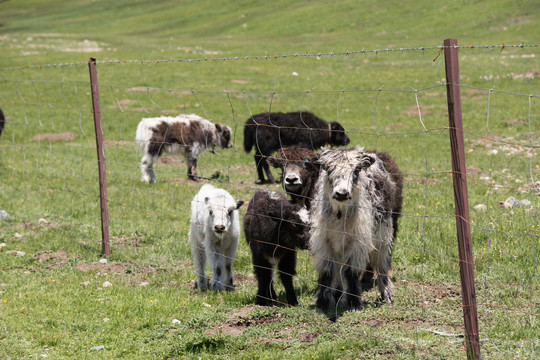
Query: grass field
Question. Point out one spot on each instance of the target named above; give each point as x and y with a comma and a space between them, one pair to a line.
58, 301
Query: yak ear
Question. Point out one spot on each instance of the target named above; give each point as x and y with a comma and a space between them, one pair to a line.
314, 162
206, 199
274, 161
325, 150
219, 127
366, 161
239, 203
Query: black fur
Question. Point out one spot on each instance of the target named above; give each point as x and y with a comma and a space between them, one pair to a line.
2, 121
274, 232
270, 131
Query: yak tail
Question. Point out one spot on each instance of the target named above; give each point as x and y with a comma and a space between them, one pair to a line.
249, 135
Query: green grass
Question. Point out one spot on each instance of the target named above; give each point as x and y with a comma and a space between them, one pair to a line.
53, 300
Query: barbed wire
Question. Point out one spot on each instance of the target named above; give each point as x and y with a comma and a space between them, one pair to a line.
421, 312
439, 48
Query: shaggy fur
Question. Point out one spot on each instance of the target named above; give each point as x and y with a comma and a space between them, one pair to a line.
189, 135
270, 131
274, 229
2, 121
300, 170
213, 234
354, 209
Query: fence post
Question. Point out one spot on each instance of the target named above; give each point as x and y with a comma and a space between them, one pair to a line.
105, 248
466, 266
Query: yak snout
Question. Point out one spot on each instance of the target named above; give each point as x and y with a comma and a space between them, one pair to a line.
219, 229
292, 179
341, 195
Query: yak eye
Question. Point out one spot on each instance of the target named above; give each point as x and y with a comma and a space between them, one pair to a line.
211, 212
230, 212
355, 175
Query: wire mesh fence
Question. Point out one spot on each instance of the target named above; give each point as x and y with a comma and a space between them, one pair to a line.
48, 158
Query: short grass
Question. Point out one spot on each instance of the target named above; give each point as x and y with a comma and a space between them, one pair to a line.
55, 300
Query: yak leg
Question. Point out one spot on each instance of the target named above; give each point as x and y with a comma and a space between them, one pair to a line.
287, 269
147, 168
354, 300
324, 286
191, 161
264, 273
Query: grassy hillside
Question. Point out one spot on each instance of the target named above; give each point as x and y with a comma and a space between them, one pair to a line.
255, 27
57, 300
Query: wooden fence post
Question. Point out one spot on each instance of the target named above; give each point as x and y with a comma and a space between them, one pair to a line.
466, 265
105, 248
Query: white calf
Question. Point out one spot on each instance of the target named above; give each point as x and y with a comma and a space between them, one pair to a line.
214, 232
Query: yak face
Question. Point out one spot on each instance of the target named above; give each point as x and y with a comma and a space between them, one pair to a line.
299, 168
338, 136
343, 172
295, 175
224, 135
221, 213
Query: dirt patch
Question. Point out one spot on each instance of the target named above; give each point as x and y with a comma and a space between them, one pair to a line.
134, 272
420, 180
240, 320
412, 110
487, 141
514, 122
53, 259
307, 337
26, 228
434, 93
52, 255
530, 187
121, 143
527, 75
472, 92
170, 161
126, 102
473, 171
396, 126
65, 136
127, 241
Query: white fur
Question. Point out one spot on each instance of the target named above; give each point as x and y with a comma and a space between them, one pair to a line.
352, 233
145, 131
212, 208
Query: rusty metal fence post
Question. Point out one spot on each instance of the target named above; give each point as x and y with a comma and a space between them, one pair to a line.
466, 265
105, 248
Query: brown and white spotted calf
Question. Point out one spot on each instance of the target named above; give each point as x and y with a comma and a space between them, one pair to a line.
189, 135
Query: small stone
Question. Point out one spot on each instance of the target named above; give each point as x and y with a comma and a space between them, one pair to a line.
176, 322
85, 283
144, 283
103, 261
17, 236
2, 245
42, 221
4, 215
106, 284
525, 202
16, 253
99, 347
480, 207
511, 202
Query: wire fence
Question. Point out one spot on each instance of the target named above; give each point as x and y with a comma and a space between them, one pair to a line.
50, 142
